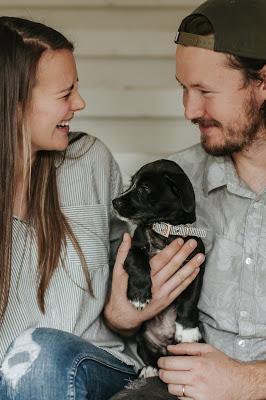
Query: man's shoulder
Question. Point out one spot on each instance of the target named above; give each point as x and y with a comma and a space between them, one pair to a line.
192, 160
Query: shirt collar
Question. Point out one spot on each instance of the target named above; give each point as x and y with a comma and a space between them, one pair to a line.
214, 174
220, 171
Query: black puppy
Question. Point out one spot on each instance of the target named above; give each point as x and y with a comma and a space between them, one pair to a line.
161, 202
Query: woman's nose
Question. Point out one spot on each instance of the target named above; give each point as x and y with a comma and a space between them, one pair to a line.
78, 103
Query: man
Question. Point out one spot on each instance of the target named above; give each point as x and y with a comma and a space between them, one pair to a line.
221, 65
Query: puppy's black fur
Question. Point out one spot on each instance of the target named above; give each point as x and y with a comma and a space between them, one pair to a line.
159, 192
145, 389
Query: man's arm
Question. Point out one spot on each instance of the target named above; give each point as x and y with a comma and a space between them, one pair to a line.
209, 374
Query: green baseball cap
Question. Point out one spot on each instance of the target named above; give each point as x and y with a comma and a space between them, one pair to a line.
239, 28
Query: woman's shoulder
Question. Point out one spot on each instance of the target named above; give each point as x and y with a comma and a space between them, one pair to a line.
84, 145
88, 172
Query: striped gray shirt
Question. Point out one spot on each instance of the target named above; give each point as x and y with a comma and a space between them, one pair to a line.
86, 187
233, 299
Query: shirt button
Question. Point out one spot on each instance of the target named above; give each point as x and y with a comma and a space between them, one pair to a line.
242, 343
243, 313
248, 261
256, 205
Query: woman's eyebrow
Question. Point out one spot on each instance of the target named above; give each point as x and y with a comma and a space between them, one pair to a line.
69, 88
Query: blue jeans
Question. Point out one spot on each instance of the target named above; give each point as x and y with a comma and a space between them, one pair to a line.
48, 364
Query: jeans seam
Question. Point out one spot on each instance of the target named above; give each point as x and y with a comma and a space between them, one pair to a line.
75, 365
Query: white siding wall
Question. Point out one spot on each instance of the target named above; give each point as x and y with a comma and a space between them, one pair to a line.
125, 57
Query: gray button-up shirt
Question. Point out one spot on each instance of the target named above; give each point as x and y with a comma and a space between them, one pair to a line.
233, 299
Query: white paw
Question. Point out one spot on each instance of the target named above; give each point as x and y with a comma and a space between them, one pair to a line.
139, 305
186, 335
148, 372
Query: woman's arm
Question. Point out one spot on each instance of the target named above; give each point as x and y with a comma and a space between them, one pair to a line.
168, 281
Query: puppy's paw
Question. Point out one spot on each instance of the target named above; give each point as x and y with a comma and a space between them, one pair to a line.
148, 372
139, 291
139, 305
187, 335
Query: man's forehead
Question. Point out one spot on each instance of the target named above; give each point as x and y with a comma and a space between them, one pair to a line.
200, 54
193, 60
196, 67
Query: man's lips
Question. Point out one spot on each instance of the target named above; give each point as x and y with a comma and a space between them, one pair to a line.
206, 125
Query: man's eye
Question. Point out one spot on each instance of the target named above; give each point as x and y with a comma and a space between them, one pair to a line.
66, 96
205, 91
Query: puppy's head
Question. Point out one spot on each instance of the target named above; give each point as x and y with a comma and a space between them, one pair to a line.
159, 191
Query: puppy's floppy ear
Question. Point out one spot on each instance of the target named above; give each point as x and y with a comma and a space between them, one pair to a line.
182, 187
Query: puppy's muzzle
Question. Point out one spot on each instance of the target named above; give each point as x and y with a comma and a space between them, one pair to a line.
117, 203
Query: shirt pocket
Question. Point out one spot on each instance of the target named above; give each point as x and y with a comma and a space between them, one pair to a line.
90, 226
220, 292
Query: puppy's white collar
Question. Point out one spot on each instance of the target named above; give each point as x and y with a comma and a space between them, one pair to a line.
166, 229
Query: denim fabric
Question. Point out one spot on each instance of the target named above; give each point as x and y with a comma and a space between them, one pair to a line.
48, 364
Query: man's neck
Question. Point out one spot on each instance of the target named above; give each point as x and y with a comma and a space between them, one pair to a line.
251, 166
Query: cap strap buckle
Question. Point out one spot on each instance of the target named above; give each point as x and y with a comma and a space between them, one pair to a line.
190, 39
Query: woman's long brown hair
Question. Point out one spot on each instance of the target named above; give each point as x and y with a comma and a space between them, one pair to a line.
22, 42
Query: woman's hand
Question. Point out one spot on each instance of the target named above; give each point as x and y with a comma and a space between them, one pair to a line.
168, 281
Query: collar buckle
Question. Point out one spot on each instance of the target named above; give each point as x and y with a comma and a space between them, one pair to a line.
162, 228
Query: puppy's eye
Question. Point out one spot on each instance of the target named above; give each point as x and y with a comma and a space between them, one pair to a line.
145, 188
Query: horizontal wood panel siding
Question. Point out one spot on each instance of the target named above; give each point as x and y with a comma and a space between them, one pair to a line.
100, 3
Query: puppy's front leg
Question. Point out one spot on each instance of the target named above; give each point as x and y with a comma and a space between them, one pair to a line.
139, 281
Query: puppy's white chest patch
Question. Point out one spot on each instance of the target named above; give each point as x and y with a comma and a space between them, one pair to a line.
186, 335
148, 372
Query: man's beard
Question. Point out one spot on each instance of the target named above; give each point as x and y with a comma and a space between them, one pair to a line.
238, 136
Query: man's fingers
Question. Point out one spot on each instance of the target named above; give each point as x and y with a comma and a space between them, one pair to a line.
165, 256
190, 349
173, 376
182, 277
173, 363
177, 390
177, 288
175, 263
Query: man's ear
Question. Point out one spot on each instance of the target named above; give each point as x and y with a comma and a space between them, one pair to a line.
263, 78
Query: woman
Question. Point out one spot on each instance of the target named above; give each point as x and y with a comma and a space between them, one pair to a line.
57, 232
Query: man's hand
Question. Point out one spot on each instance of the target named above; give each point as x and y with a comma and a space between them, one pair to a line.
205, 373
168, 281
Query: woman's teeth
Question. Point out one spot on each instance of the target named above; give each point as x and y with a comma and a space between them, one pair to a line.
63, 124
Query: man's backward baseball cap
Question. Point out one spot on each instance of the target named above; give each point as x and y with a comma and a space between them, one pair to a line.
239, 28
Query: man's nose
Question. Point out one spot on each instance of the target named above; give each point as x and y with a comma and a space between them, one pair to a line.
194, 106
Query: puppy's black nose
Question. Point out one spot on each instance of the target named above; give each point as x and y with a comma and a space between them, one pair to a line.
117, 203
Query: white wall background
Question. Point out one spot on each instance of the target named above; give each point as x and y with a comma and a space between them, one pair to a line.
126, 61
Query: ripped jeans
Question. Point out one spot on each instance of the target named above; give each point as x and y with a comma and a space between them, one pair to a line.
48, 364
